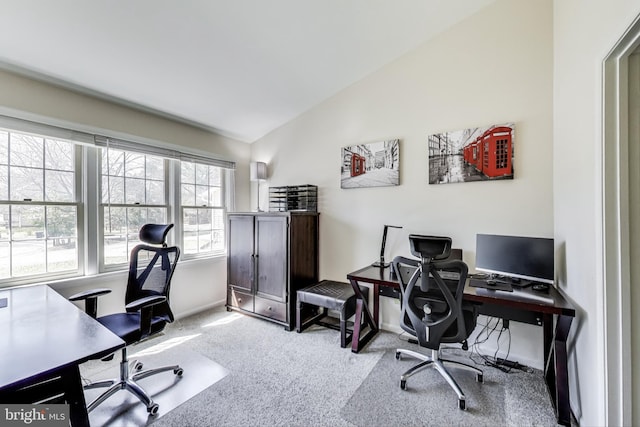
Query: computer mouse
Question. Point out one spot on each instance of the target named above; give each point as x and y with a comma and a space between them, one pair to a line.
491, 282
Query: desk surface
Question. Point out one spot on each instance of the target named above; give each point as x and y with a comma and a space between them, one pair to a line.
552, 302
41, 332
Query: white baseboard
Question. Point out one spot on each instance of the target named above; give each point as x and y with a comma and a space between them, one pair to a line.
200, 309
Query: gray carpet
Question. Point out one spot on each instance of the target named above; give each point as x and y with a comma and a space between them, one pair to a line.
428, 399
280, 378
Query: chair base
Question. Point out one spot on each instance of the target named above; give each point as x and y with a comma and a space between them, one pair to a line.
128, 382
438, 363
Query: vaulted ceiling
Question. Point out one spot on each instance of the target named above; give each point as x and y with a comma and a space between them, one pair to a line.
238, 67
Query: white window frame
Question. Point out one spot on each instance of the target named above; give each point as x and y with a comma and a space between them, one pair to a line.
77, 203
225, 183
103, 266
90, 228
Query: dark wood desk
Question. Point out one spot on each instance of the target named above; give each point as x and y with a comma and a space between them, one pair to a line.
43, 339
522, 305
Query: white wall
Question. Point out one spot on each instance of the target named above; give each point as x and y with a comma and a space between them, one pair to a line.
492, 68
584, 33
197, 284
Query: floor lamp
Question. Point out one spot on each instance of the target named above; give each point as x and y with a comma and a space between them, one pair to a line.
258, 172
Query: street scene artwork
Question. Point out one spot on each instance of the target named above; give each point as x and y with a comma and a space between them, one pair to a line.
376, 164
474, 154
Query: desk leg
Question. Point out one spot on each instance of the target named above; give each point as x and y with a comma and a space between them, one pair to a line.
556, 372
360, 323
74, 396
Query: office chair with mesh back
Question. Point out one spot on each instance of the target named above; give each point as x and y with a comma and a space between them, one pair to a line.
151, 266
431, 310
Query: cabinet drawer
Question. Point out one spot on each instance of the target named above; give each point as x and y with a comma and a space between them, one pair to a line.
273, 309
239, 299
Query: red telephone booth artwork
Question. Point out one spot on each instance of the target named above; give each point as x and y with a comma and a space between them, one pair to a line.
357, 164
496, 152
476, 154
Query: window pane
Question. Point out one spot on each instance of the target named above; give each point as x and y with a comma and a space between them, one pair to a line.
155, 168
201, 232
136, 218
60, 186
5, 248
190, 242
215, 176
113, 162
28, 258
155, 192
26, 183
218, 219
134, 165
112, 189
187, 173
115, 242
4, 148
188, 194
62, 255
202, 195
156, 216
36, 239
4, 223
5, 260
26, 150
134, 191
27, 222
4, 182
218, 241
202, 174
59, 155
204, 241
115, 221
215, 196
61, 222
62, 250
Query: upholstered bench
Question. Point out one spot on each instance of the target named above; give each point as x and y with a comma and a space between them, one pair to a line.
329, 295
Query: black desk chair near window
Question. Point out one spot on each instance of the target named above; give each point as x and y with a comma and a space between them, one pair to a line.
432, 309
147, 309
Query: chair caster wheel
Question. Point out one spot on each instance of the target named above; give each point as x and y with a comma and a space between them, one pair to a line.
462, 404
398, 357
479, 378
403, 384
178, 372
138, 366
153, 409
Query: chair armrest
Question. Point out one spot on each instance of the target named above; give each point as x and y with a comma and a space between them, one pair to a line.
145, 307
89, 294
90, 299
145, 302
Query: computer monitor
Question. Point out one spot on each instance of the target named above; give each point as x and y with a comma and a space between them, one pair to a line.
528, 258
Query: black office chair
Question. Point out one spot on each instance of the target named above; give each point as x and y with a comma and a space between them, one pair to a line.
147, 310
433, 310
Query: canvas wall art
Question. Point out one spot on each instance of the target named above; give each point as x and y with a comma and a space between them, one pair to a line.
474, 154
375, 164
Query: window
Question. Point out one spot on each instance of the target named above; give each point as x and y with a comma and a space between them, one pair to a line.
202, 198
72, 203
38, 206
133, 194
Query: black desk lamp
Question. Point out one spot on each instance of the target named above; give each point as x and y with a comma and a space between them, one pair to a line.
381, 263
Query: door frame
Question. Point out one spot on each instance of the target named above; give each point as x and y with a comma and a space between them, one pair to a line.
615, 255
